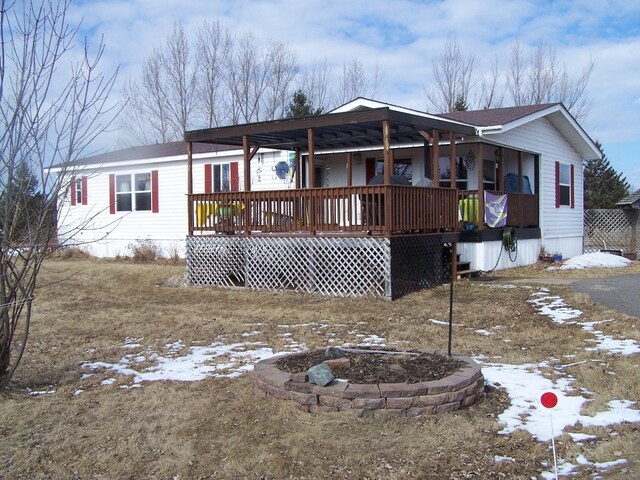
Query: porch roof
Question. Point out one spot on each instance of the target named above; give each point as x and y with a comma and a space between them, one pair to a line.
332, 131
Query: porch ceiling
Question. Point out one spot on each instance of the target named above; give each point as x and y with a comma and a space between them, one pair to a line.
354, 129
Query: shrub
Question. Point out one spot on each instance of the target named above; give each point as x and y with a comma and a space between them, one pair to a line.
72, 253
144, 251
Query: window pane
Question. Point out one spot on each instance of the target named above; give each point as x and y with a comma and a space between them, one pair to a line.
461, 170
444, 165
489, 171
123, 183
217, 184
123, 202
565, 174
143, 201
226, 178
79, 191
143, 182
403, 166
565, 195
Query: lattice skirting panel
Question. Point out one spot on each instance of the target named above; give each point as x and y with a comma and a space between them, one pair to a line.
334, 266
611, 230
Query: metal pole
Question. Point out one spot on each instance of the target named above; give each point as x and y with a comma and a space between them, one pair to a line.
450, 314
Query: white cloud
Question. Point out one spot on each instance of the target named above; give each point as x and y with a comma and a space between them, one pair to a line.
402, 37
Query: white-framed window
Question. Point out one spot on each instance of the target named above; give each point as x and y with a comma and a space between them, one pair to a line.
221, 179
564, 184
79, 190
133, 192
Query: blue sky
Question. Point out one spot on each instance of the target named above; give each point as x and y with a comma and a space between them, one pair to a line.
402, 37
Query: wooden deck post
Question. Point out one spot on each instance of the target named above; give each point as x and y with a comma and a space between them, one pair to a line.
388, 171
349, 169
311, 158
520, 184
388, 159
247, 182
452, 161
311, 214
480, 169
500, 172
435, 157
190, 186
298, 170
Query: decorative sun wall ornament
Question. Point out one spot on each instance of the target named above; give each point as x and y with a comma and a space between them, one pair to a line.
470, 160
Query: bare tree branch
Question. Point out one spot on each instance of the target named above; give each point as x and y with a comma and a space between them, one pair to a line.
49, 116
453, 75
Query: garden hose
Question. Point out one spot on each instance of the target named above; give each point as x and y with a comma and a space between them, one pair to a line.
510, 244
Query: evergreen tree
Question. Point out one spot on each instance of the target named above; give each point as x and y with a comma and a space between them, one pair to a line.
603, 186
461, 104
20, 204
300, 106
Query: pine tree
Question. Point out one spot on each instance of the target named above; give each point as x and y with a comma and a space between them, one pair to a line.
300, 106
603, 186
461, 104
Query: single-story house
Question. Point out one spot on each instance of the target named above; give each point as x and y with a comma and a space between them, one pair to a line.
369, 199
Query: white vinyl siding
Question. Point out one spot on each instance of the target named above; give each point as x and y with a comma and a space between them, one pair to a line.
541, 137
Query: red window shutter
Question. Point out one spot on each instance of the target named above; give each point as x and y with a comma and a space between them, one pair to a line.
154, 191
557, 184
73, 190
85, 195
112, 193
235, 177
370, 169
208, 176
573, 204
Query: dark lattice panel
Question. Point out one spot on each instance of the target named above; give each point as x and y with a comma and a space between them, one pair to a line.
610, 230
416, 263
215, 260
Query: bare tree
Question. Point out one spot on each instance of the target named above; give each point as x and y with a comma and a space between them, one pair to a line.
213, 45
179, 85
352, 83
282, 67
528, 79
517, 74
147, 118
315, 85
543, 78
49, 116
491, 95
245, 79
453, 76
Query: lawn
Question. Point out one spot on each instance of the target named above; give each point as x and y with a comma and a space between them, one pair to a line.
126, 378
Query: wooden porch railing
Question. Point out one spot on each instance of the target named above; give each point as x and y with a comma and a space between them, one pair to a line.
522, 208
377, 209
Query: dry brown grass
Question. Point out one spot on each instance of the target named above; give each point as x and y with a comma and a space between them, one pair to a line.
216, 428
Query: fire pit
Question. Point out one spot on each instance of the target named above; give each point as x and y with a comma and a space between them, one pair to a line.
458, 383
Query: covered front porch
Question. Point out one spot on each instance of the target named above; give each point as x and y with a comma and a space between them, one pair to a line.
335, 232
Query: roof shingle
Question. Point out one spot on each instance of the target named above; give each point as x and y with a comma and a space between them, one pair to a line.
495, 116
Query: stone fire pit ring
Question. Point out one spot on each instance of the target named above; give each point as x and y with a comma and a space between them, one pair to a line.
383, 400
